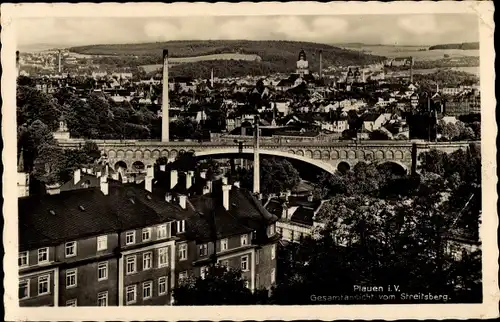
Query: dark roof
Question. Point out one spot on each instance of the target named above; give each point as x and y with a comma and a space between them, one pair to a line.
51, 219
370, 117
91, 180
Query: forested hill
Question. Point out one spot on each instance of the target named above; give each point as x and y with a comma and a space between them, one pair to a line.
276, 56
462, 46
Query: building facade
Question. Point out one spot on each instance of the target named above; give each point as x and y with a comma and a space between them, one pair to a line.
132, 244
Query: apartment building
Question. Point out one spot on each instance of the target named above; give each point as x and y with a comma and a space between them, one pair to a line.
131, 244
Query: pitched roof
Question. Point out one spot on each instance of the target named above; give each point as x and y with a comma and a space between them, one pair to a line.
51, 219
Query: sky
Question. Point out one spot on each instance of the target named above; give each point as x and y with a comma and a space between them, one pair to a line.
418, 30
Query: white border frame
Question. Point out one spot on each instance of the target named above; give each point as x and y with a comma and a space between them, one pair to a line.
489, 307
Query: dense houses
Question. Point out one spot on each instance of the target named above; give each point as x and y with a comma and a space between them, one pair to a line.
100, 241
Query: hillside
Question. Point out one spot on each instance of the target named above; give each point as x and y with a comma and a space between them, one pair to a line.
462, 46
277, 56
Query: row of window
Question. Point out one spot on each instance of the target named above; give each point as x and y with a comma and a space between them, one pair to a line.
147, 290
203, 248
162, 232
43, 286
147, 260
70, 248
102, 300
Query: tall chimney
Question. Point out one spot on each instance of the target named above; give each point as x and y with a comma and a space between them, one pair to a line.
225, 195
164, 101
173, 178
256, 161
411, 70
212, 78
17, 63
320, 64
59, 67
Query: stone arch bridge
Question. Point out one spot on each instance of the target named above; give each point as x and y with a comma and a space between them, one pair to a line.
130, 154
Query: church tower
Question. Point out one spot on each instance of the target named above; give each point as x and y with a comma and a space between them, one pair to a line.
302, 64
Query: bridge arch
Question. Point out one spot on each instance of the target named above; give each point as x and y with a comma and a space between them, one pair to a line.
120, 165
319, 163
343, 167
395, 166
138, 166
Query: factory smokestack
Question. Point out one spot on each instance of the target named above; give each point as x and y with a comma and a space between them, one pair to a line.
212, 78
320, 64
17, 63
164, 101
256, 161
59, 58
411, 70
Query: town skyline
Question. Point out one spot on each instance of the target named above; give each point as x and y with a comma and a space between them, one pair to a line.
404, 30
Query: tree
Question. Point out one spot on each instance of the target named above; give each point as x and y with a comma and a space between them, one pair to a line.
276, 175
220, 286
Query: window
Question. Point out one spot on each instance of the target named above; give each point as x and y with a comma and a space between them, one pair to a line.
43, 255
43, 284
24, 289
162, 257
130, 238
146, 234
71, 278
147, 259
131, 264
183, 248
102, 299
23, 259
273, 252
181, 226
131, 294
223, 244
257, 256
203, 271
102, 243
147, 290
244, 263
163, 231
162, 285
71, 302
102, 271
273, 276
70, 249
183, 275
203, 249
244, 239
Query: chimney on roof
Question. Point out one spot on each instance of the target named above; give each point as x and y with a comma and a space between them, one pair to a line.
189, 179
224, 180
77, 176
182, 201
288, 193
163, 167
168, 197
225, 195
236, 184
310, 198
104, 185
206, 190
203, 174
173, 178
